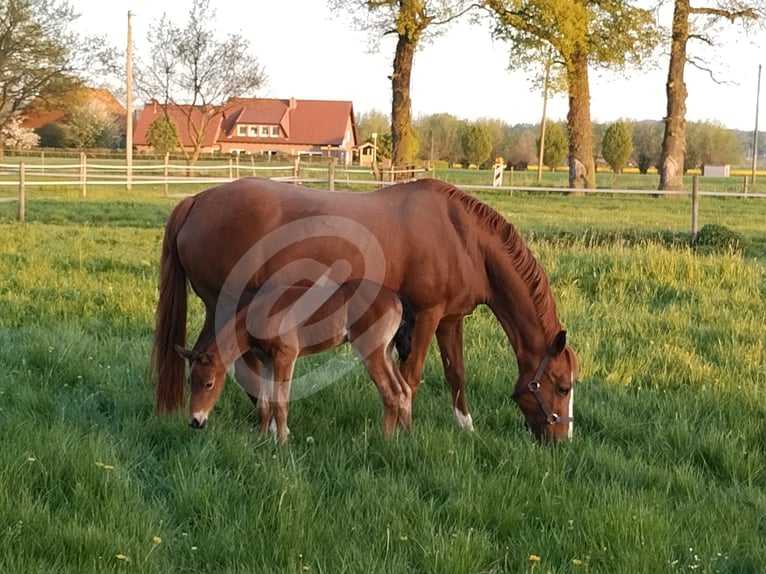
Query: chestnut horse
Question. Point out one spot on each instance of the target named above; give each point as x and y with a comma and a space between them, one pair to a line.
441, 249
280, 324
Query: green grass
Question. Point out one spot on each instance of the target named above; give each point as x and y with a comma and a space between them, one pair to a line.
667, 472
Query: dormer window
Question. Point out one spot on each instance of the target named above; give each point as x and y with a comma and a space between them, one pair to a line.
253, 131
241, 130
275, 131
264, 131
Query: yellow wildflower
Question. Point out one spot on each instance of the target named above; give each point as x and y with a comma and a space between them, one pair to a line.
576, 562
122, 557
533, 558
156, 539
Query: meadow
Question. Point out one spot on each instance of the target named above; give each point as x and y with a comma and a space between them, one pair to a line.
666, 471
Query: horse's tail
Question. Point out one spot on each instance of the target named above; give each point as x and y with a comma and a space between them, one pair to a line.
170, 319
403, 336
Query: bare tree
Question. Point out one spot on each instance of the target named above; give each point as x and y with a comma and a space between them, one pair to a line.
703, 24
193, 74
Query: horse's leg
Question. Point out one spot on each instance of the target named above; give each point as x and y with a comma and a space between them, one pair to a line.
423, 330
449, 335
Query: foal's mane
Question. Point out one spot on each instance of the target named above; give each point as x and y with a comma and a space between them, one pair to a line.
522, 259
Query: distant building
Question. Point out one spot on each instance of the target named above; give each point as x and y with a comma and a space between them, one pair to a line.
263, 126
38, 114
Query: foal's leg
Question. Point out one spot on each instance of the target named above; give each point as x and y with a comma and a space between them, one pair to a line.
283, 375
265, 395
247, 373
378, 365
449, 335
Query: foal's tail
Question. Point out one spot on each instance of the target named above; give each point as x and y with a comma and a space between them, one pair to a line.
170, 319
403, 336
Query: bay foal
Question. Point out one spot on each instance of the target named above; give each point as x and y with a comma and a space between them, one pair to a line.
282, 323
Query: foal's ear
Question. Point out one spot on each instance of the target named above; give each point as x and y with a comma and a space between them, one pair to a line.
559, 342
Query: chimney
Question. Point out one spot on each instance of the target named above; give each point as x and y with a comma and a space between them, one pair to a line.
293, 103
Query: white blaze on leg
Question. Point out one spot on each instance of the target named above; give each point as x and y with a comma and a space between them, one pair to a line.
462, 421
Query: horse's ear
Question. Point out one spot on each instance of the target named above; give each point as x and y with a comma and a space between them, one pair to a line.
185, 353
559, 342
204, 358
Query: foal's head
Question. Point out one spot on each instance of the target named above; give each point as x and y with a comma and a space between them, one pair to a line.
546, 395
206, 376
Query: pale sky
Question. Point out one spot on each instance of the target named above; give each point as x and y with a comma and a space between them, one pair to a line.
309, 54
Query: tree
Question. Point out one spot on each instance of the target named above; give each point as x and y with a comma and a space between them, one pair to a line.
616, 146
196, 73
15, 136
711, 143
701, 23
89, 124
413, 22
39, 56
162, 135
372, 122
612, 34
52, 135
555, 149
476, 143
440, 137
523, 145
647, 144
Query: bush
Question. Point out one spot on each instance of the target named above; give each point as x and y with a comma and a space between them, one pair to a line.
715, 238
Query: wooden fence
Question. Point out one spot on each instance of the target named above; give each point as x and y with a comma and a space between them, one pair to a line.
330, 175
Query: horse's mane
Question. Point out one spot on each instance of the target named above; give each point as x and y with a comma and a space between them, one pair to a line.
528, 268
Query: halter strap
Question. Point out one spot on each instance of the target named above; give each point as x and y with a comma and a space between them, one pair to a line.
533, 387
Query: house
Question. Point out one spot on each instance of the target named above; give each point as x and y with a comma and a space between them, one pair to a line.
263, 126
39, 114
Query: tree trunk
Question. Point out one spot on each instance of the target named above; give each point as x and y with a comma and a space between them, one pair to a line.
402, 152
582, 168
674, 141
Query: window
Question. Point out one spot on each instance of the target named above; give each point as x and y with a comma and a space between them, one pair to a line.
264, 131
275, 131
254, 131
241, 130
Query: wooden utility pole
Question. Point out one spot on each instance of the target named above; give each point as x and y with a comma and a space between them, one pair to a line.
129, 105
755, 131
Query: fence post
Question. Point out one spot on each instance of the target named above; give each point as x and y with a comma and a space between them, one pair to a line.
296, 167
236, 165
165, 171
83, 176
22, 198
695, 205
744, 183
231, 167
331, 174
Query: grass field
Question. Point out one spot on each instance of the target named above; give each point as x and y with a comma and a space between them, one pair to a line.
666, 473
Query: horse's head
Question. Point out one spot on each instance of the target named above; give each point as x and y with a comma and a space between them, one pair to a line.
206, 377
545, 395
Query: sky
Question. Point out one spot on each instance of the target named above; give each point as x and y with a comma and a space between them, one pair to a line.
307, 53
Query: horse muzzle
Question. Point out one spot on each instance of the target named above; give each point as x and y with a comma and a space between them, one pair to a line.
198, 421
